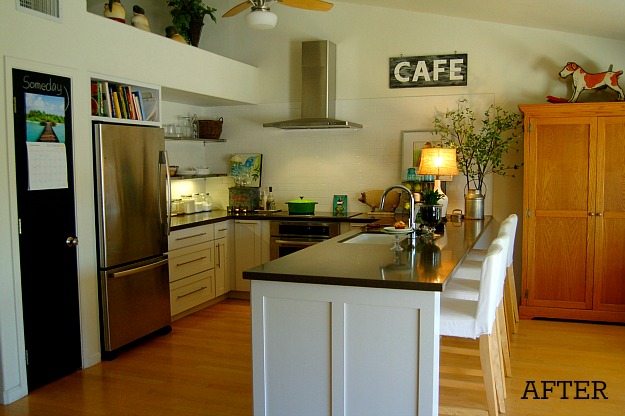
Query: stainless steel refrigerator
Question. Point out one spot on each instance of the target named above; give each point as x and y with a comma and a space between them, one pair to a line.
132, 186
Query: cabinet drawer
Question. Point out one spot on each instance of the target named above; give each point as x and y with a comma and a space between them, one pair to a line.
189, 236
191, 260
221, 229
192, 291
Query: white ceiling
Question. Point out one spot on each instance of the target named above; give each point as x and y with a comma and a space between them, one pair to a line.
602, 18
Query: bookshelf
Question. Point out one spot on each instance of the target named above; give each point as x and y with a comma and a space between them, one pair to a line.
116, 100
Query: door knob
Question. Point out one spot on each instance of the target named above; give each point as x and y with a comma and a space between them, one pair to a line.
599, 214
592, 214
71, 241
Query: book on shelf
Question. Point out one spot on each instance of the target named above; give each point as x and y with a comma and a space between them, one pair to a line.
95, 105
141, 107
135, 99
122, 101
118, 111
132, 114
150, 105
115, 100
106, 100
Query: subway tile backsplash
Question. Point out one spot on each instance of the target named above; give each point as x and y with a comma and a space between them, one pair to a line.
317, 164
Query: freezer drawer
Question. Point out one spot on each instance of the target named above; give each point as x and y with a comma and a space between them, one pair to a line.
135, 301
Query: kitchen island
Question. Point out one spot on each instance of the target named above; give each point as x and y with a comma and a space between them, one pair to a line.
353, 328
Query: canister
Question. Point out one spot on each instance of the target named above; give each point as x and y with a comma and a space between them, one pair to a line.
189, 204
175, 206
474, 205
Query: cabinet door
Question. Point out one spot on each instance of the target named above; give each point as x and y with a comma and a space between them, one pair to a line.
247, 250
609, 294
560, 181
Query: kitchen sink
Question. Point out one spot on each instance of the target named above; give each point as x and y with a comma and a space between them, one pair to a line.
374, 238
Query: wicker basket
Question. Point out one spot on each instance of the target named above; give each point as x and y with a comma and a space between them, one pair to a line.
210, 129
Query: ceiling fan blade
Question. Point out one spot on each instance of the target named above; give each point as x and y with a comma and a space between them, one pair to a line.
318, 5
237, 9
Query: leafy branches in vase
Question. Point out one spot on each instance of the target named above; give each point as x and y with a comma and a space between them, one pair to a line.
480, 149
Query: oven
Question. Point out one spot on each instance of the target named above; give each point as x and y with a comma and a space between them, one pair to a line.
287, 237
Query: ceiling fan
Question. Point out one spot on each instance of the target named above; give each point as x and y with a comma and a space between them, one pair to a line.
261, 16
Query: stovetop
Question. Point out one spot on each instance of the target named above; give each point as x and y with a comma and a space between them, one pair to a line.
316, 216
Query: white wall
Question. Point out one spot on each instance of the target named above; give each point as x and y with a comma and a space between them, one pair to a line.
511, 64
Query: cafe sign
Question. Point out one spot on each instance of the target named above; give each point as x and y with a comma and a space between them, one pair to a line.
428, 71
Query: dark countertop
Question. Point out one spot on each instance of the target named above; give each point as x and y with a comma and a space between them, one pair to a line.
423, 267
192, 220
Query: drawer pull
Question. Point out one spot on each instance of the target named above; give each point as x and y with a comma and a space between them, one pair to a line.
190, 236
192, 292
223, 229
190, 261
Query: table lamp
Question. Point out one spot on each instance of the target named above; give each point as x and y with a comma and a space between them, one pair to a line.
439, 161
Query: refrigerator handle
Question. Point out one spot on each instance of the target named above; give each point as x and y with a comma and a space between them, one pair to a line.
140, 269
164, 160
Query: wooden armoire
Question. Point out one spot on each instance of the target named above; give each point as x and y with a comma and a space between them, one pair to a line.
574, 211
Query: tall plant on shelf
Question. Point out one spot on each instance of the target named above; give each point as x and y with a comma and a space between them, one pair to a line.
188, 16
480, 149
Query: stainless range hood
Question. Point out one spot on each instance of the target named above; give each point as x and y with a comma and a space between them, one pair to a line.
318, 90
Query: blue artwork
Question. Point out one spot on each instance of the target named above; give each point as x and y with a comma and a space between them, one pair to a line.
246, 169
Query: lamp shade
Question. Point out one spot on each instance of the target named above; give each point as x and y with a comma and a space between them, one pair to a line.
261, 19
438, 161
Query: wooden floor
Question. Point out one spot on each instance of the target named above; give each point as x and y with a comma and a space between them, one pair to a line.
204, 368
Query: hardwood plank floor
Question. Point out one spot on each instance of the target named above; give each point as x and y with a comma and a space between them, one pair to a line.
204, 368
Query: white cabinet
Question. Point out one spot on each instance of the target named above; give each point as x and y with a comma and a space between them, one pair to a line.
191, 267
199, 265
222, 263
251, 248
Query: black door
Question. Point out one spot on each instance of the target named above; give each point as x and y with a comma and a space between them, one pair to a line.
47, 226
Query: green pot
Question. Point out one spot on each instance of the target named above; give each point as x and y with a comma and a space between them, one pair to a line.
301, 206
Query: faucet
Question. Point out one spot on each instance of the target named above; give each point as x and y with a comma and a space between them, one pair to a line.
411, 221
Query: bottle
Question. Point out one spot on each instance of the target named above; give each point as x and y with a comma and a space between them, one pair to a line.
262, 199
271, 201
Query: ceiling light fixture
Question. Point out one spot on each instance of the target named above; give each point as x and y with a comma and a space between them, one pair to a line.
261, 18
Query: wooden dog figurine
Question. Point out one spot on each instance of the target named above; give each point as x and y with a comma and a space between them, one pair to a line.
583, 80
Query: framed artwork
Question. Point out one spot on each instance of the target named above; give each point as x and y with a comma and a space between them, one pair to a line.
246, 169
339, 207
412, 143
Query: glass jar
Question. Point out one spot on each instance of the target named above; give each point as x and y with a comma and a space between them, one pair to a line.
175, 207
185, 126
207, 204
188, 203
199, 202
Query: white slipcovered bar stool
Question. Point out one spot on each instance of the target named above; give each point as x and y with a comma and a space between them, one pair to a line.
476, 319
511, 307
466, 281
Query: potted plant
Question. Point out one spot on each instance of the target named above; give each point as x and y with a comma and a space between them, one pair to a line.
188, 18
430, 210
479, 149
430, 196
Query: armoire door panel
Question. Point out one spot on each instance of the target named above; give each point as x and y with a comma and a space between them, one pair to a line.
562, 275
613, 165
610, 269
562, 166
